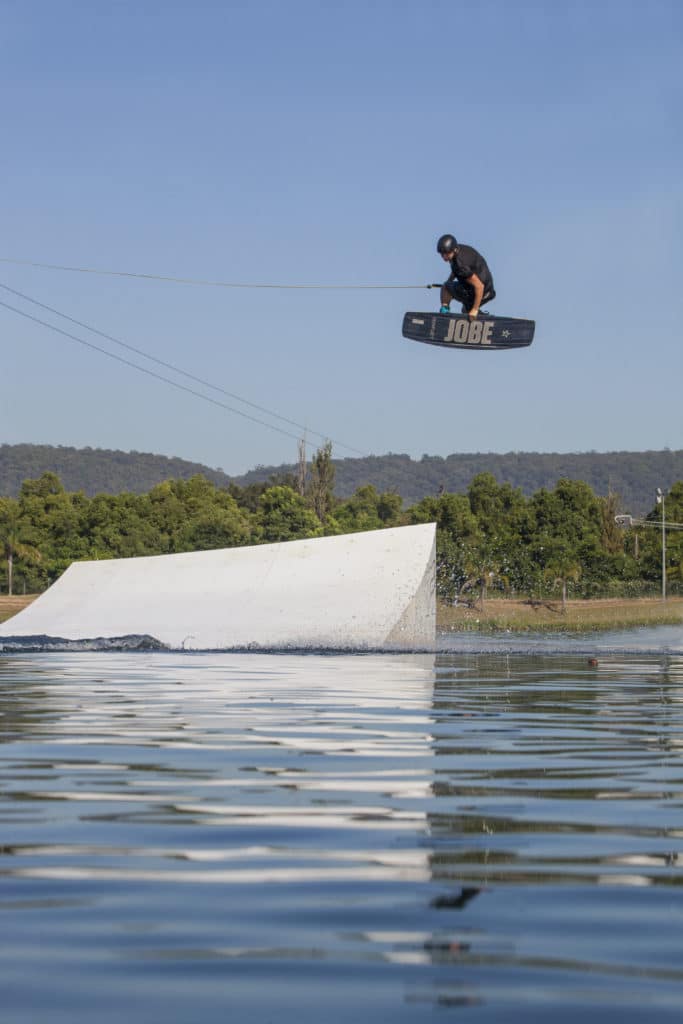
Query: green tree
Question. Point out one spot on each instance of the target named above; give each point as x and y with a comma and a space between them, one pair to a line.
505, 523
566, 541
368, 510
562, 566
457, 537
122, 526
220, 526
284, 515
611, 536
167, 513
12, 539
42, 487
321, 482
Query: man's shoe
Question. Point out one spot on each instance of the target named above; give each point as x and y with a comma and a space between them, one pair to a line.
445, 309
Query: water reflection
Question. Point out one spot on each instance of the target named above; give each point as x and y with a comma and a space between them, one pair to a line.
500, 831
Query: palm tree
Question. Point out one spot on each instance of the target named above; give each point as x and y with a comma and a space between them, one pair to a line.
11, 540
564, 569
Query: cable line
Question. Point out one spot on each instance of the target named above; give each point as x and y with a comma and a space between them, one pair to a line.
150, 373
214, 284
182, 373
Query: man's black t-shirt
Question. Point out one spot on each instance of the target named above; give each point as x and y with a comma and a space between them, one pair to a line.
468, 261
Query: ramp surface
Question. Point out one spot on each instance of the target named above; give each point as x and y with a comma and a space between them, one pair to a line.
361, 591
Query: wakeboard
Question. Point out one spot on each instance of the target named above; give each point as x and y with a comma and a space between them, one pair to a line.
455, 330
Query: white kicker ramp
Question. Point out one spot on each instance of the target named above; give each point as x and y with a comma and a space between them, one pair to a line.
361, 591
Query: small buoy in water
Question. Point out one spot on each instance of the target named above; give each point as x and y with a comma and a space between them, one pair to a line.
593, 662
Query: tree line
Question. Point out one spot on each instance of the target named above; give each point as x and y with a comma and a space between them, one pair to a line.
634, 475
558, 542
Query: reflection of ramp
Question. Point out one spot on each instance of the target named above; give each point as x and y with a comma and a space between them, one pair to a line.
359, 591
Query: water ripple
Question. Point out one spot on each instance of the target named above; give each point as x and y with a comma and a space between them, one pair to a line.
258, 837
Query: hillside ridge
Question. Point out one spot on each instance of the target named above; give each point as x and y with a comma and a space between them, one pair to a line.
635, 476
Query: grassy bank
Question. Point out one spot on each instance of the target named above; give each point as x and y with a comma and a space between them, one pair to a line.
580, 616
11, 605
518, 615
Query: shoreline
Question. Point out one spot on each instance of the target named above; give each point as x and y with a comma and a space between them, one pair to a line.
517, 615
580, 616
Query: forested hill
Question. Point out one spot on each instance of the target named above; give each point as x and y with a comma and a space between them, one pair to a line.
635, 476
95, 470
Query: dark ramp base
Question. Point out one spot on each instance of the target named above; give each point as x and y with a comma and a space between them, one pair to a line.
17, 644
452, 330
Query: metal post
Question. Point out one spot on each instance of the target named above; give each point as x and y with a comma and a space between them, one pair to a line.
663, 552
660, 501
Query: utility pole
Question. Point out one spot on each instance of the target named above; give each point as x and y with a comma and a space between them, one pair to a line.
301, 467
627, 522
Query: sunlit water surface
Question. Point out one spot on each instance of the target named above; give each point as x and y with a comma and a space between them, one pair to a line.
490, 833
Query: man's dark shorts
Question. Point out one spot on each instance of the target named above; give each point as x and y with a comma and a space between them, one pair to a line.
464, 292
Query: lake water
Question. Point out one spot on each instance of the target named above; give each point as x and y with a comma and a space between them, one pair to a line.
491, 833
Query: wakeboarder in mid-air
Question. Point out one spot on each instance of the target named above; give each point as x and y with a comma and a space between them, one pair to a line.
471, 284
470, 281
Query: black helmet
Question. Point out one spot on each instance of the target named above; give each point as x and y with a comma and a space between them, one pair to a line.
446, 245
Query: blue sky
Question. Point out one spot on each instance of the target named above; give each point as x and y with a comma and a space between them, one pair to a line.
305, 143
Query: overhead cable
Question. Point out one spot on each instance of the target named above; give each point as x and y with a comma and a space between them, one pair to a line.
214, 284
181, 372
150, 373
